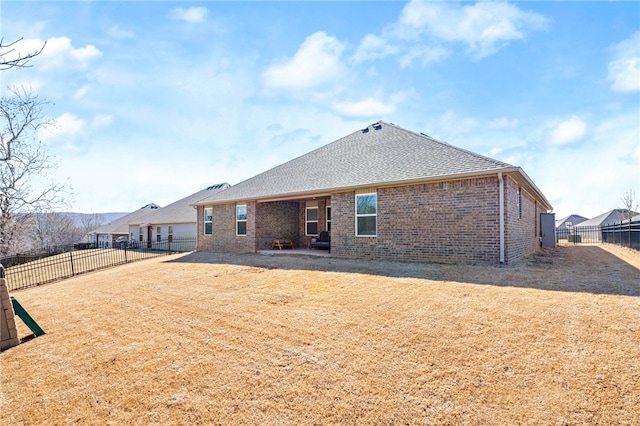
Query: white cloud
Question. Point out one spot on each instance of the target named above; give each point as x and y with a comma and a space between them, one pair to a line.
81, 92
568, 131
624, 68
364, 108
371, 107
425, 31
84, 54
101, 120
192, 15
483, 27
451, 125
503, 123
316, 62
373, 47
121, 33
424, 54
65, 128
601, 170
59, 52
21, 48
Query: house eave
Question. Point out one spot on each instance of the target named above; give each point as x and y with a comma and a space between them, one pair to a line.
326, 192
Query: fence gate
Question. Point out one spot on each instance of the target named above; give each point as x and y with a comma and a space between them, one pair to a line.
548, 229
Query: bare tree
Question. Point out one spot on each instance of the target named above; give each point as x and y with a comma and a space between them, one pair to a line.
23, 160
8, 59
630, 204
53, 229
89, 222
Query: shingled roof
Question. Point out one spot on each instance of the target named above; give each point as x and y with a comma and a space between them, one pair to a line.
121, 225
180, 211
380, 154
608, 218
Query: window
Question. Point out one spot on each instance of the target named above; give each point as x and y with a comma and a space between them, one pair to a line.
208, 221
170, 231
159, 233
312, 221
366, 212
519, 203
241, 220
140, 232
329, 218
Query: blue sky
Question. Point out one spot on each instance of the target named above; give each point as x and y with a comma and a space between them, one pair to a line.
157, 100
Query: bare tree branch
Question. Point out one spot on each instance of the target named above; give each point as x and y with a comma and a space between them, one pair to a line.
24, 166
630, 204
20, 61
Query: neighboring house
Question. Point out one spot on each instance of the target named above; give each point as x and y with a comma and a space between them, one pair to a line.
565, 226
383, 192
172, 223
608, 218
106, 235
589, 230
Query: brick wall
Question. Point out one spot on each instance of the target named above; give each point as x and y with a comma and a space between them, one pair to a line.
444, 222
277, 220
448, 222
223, 237
522, 223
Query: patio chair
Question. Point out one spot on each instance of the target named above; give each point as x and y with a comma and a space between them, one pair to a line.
323, 241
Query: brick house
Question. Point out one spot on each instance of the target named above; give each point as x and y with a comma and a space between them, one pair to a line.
383, 192
175, 222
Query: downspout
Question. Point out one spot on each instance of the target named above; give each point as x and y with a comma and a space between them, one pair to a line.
501, 212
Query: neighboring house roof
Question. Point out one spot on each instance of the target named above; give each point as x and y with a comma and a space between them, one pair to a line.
181, 211
121, 225
573, 219
380, 154
612, 216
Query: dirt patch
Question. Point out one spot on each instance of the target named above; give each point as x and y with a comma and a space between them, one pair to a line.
250, 339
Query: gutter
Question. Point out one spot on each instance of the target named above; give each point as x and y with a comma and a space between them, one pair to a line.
501, 213
320, 192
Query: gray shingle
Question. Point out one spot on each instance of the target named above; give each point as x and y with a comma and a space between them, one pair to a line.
121, 225
180, 211
381, 153
607, 218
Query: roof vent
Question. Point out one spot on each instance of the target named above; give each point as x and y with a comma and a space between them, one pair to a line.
365, 130
216, 186
377, 126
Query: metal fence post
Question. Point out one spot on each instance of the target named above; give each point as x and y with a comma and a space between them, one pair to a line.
73, 272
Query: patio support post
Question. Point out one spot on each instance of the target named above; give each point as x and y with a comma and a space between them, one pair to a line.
501, 209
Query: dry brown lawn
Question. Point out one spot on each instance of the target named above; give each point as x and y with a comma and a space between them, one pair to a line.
285, 340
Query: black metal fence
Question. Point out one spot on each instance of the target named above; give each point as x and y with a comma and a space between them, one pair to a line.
32, 269
625, 234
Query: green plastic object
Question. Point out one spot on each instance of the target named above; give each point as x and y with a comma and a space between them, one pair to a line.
26, 318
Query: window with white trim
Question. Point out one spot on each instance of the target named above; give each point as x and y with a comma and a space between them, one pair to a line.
311, 227
208, 221
159, 233
140, 233
241, 220
366, 215
170, 233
